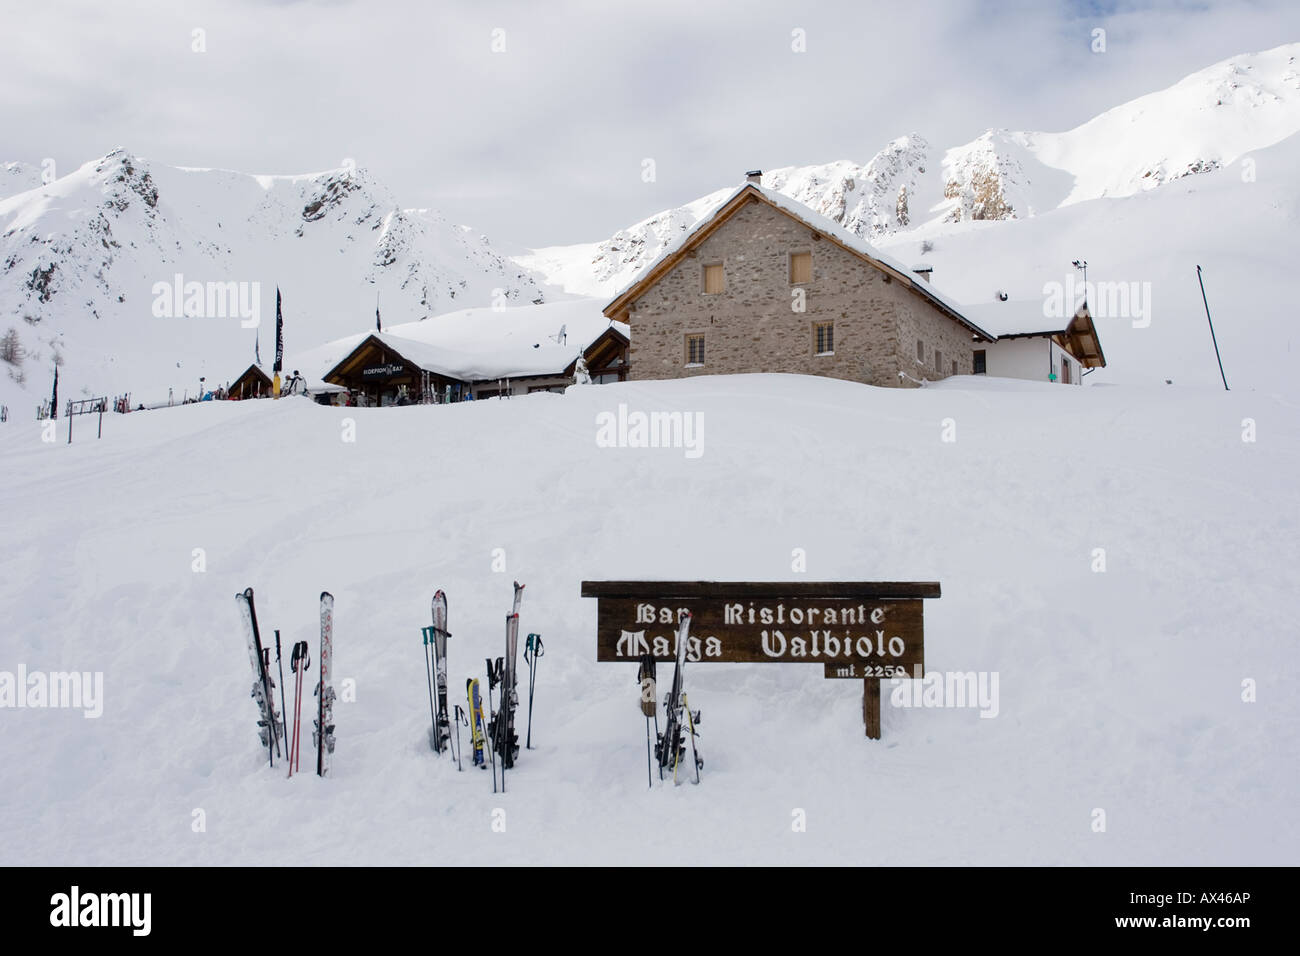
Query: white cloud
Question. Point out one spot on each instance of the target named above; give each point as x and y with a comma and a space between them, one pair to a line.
543, 143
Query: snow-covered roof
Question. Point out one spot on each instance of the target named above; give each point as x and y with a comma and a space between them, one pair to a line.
813, 220
1017, 317
483, 344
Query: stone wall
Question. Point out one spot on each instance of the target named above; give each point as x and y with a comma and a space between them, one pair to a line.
752, 326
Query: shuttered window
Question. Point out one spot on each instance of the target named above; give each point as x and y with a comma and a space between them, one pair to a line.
713, 278
800, 267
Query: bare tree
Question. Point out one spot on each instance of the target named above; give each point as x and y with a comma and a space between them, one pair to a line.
11, 350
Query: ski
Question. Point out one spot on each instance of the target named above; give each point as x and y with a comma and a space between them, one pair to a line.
478, 732
323, 737
509, 699
693, 718
671, 748
442, 732
263, 686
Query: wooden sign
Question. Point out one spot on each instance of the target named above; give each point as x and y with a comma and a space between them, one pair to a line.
390, 370
775, 630
867, 631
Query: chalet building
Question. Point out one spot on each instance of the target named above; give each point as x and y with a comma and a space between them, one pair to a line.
1030, 345
481, 353
251, 383
764, 284
254, 382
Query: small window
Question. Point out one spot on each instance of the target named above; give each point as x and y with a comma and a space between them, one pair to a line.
800, 267
695, 349
920, 351
938, 361
713, 278
824, 338
981, 360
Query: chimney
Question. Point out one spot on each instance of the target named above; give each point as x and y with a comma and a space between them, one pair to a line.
924, 272
754, 176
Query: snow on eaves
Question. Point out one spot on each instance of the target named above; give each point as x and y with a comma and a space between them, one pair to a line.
1017, 317
482, 344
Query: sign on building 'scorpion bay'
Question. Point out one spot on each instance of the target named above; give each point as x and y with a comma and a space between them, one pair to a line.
382, 371
876, 637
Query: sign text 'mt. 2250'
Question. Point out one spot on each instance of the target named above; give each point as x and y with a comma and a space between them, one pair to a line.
813, 630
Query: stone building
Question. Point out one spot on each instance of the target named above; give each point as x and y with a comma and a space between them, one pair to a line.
764, 284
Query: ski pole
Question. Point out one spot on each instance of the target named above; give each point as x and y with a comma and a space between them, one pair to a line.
280, 664
532, 650
460, 719
427, 634
492, 723
298, 663
646, 681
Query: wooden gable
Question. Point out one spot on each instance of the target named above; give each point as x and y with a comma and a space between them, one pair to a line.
251, 383
606, 354
1080, 340
371, 353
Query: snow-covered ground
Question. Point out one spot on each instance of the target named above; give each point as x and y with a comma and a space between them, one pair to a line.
1119, 691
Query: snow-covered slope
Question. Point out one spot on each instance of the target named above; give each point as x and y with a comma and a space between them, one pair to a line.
1120, 690
80, 258
596, 269
1207, 121
17, 178
1142, 252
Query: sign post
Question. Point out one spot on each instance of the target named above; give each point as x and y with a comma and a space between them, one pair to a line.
857, 630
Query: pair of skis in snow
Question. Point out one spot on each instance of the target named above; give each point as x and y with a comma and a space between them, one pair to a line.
492, 732
501, 725
669, 747
270, 724
435, 665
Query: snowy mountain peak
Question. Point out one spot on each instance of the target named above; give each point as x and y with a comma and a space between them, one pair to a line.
81, 259
1205, 121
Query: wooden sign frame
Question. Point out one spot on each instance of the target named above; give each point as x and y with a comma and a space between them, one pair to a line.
868, 630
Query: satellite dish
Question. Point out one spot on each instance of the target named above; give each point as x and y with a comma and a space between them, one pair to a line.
560, 337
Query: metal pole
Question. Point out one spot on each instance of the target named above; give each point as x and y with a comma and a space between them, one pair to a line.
1211, 321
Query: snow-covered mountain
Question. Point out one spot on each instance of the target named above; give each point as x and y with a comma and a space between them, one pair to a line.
86, 262
1206, 121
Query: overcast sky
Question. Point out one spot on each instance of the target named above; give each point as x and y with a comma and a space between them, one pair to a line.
543, 142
